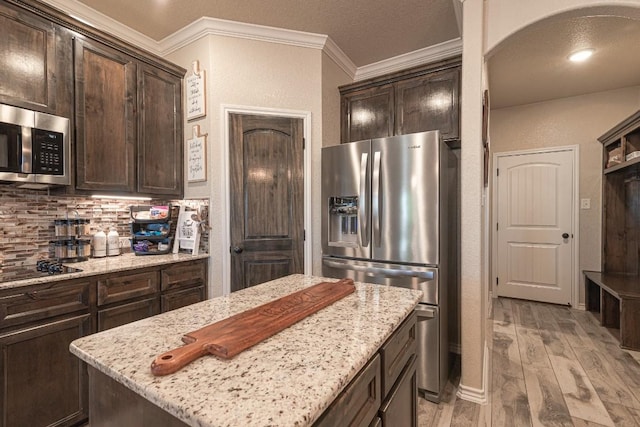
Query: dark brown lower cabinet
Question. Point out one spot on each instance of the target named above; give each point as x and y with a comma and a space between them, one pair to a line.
173, 300
126, 313
401, 405
358, 404
43, 384
385, 391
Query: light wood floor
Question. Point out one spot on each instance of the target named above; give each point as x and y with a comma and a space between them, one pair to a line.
551, 366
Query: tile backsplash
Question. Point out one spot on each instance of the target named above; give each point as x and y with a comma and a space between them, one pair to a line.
26, 221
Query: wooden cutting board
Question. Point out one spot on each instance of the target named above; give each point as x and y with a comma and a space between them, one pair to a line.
234, 334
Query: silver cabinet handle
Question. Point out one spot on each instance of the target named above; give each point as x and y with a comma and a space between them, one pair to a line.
425, 312
362, 203
379, 270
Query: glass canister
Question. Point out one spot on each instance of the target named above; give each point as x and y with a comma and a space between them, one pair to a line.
61, 227
82, 227
83, 248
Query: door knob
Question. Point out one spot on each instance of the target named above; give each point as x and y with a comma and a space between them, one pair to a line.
565, 235
237, 249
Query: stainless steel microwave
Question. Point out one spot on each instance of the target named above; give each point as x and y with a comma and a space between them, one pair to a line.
34, 148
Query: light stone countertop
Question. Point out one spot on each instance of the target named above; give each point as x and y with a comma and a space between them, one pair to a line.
288, 379
98, 266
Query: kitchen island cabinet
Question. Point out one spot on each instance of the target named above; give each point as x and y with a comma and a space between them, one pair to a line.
296, 377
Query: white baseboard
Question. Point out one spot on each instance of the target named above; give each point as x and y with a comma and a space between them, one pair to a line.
581, 306
476, 395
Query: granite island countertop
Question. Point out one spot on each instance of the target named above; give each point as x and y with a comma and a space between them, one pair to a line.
288, 379
106, 265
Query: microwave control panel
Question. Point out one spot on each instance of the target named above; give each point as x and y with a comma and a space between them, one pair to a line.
48, 152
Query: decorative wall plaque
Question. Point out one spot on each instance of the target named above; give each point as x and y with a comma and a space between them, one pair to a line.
195, 89
197, 156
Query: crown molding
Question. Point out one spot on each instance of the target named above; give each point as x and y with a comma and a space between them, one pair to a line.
212, 26
220, 27
92, 17
422, 56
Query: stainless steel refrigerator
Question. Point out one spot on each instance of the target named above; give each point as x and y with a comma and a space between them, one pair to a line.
386, 219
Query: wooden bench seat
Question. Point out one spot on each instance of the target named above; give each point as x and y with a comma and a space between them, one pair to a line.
616, 299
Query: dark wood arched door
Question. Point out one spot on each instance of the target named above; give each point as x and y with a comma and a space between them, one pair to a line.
267, 198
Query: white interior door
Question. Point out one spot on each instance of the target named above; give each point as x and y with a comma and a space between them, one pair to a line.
535, 199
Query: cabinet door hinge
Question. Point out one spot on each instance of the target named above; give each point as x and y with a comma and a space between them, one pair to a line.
304, 144
497, 281
304, 235
497, 172
497, 226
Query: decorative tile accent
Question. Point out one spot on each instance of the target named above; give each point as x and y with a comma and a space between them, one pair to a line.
26, 221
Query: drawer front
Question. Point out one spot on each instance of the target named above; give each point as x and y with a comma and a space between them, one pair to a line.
127, 313
120, 288
184, 275
43, 301
358, 404
397, 351
174, 300
400, 409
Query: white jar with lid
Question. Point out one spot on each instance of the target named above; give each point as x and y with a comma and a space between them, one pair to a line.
99, 243
113, 242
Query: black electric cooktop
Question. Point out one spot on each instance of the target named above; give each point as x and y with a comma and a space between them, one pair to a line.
42, 268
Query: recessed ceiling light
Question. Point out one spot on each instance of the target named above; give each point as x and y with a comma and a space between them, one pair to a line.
581, 55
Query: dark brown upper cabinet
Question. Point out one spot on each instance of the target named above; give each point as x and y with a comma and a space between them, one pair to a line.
368, 113
415, 100
429, 102
105, 118
29, 73
124, 103
160, 150
129, 123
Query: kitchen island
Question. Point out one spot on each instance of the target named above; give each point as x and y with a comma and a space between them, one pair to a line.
289, 379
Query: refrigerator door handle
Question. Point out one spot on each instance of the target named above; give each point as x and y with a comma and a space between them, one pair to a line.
425, 313
362, 203
375, 199
389, 272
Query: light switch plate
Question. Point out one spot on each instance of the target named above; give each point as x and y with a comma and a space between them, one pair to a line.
585, 203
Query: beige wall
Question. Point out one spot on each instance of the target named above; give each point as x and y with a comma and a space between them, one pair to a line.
578, 120
472, 286
252, 74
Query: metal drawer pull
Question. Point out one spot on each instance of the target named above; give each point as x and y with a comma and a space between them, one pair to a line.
378, 270
425, 313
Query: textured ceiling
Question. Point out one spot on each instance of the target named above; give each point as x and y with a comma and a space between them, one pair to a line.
366, 30
532, 66
529, 66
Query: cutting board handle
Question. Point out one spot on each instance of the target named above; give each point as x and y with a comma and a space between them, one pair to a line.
171, 361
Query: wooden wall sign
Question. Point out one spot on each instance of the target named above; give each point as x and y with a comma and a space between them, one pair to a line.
196, 91
197, 156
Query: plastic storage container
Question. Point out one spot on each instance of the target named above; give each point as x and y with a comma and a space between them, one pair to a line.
99, 244
151, 229
113, 242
